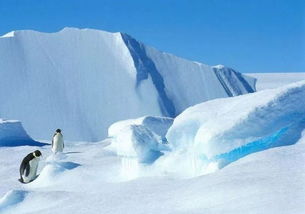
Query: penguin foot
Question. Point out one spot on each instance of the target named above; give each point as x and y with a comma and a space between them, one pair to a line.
21, 180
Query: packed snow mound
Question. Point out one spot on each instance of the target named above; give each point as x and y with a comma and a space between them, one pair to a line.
142, 139
82, 81
55, 167
12, 133
210, 135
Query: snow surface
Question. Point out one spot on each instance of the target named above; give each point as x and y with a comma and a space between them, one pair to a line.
86, 179
274, 80
82, 81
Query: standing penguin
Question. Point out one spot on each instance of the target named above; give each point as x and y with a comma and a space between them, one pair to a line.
28, 167
58, 142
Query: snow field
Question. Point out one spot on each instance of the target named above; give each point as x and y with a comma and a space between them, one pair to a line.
271, 181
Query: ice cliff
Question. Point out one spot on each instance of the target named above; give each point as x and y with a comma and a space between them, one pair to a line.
84, 80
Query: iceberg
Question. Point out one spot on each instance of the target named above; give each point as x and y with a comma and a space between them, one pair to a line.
84, 80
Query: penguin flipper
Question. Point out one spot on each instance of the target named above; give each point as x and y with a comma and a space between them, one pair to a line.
53, 139
27, 169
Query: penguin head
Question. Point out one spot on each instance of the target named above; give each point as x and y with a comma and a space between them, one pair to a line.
58, 131
37, 154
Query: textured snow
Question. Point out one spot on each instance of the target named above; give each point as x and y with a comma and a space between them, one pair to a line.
82, 81
210, 135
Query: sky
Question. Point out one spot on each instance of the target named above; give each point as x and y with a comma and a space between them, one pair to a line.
247, 35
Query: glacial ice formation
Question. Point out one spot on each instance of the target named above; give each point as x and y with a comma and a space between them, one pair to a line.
82, 81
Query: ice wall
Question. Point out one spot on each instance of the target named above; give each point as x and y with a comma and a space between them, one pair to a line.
82, 81
78, 80
181, 83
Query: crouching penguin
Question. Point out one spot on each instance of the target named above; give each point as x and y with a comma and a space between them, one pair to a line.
28, 167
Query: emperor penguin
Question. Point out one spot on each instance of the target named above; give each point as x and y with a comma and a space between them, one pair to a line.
28, 167
57, 142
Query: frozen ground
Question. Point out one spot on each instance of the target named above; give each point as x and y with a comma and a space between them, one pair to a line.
274, 80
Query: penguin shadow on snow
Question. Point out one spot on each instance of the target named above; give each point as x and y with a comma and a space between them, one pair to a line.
12, 198
69, 165
58, 160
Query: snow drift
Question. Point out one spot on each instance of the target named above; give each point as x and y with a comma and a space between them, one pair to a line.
82, 81
12, 133
210, 135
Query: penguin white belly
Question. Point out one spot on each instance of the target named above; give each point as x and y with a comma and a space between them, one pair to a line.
33, 171
58, 143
